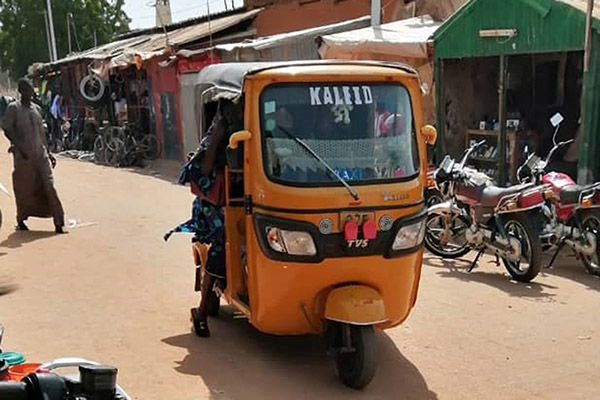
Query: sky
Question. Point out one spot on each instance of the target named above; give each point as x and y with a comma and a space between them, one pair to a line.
143, 15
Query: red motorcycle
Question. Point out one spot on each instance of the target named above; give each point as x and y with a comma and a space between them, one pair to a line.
478, 215
572, 211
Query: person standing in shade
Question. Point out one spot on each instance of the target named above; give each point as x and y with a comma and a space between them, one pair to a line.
33, 182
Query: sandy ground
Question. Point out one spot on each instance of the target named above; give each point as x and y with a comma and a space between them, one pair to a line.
113, 291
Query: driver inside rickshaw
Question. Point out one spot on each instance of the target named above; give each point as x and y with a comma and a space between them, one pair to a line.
204, 171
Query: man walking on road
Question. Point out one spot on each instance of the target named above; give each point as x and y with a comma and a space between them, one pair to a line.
33, 181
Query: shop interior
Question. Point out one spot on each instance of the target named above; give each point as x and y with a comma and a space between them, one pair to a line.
537, 86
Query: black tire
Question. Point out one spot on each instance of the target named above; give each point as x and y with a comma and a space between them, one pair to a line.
99, 150
115, 150
357, 369
0, 218
523, 227
432, 241
150, 147
591, 224
433, 197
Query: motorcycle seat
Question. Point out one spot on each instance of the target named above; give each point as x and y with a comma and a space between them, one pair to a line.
491, 195
570, 194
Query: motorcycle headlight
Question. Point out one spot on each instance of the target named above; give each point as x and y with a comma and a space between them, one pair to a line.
295, 243
409, 236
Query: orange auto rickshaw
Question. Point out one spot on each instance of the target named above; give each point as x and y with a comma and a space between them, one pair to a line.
325, 209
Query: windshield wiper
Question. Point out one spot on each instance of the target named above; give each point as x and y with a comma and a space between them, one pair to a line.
322, 161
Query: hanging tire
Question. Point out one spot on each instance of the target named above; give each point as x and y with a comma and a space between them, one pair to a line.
356, 362
523, 228
591, 225
92, 88
454, 247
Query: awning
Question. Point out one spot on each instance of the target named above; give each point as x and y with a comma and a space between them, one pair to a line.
146, 45
405, 39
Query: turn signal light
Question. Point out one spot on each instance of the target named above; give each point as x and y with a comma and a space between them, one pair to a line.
548, 194
512, 206
587, 202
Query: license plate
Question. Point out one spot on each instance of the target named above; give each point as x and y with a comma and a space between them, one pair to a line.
359, 217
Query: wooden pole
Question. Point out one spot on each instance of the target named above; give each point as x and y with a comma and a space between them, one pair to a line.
51, 57
502, 122
69, 31
584, 173
588, 35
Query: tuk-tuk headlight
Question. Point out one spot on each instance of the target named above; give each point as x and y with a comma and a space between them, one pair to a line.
409, 236
295, 243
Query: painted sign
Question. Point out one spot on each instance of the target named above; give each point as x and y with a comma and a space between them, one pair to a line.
340, 95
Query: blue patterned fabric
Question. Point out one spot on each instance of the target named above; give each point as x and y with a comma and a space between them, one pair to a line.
207, 222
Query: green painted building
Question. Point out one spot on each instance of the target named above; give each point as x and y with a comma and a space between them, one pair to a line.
519, 60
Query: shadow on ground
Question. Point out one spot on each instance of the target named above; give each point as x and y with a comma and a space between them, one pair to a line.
18, 239
458, 269
239, 363
569, 267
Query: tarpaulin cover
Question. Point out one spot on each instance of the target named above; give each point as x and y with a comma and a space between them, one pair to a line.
406, 39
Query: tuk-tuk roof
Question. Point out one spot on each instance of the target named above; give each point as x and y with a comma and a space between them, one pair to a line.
227, 79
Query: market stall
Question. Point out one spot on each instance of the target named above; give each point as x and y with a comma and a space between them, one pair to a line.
503, 69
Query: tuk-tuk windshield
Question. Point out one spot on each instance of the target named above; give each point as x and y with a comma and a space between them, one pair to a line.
364, 131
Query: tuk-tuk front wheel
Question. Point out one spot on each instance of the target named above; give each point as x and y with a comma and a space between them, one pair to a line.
355, 351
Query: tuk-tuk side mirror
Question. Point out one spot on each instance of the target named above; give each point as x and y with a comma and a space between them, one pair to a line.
429, 133
237, 137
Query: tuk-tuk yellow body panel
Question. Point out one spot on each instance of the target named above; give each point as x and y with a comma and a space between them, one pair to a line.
356, 305
289, 298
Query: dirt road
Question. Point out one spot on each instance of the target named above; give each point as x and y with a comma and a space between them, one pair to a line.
113, 291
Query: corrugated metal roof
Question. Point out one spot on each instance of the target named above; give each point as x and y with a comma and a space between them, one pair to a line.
150, 45
297, 45
406, 38
541, 26
276, 40
582, 5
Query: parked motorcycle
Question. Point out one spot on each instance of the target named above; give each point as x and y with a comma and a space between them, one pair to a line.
94, 381
572, 211
478, 215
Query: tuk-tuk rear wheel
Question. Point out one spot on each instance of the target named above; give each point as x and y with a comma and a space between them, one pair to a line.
356, 359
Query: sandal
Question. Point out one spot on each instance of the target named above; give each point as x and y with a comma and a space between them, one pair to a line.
200, 327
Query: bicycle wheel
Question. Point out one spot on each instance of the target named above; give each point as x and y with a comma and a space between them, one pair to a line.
99, 150
130, 154
115, 150
150, 147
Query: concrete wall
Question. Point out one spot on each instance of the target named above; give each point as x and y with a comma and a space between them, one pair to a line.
438, 9
470, 94
292, 15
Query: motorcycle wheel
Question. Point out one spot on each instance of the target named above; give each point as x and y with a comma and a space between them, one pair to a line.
433, 197
591, 224
434, 228
522, 228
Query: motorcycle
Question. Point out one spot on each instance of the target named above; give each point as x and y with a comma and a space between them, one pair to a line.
572, 211
94, 381
478, 215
